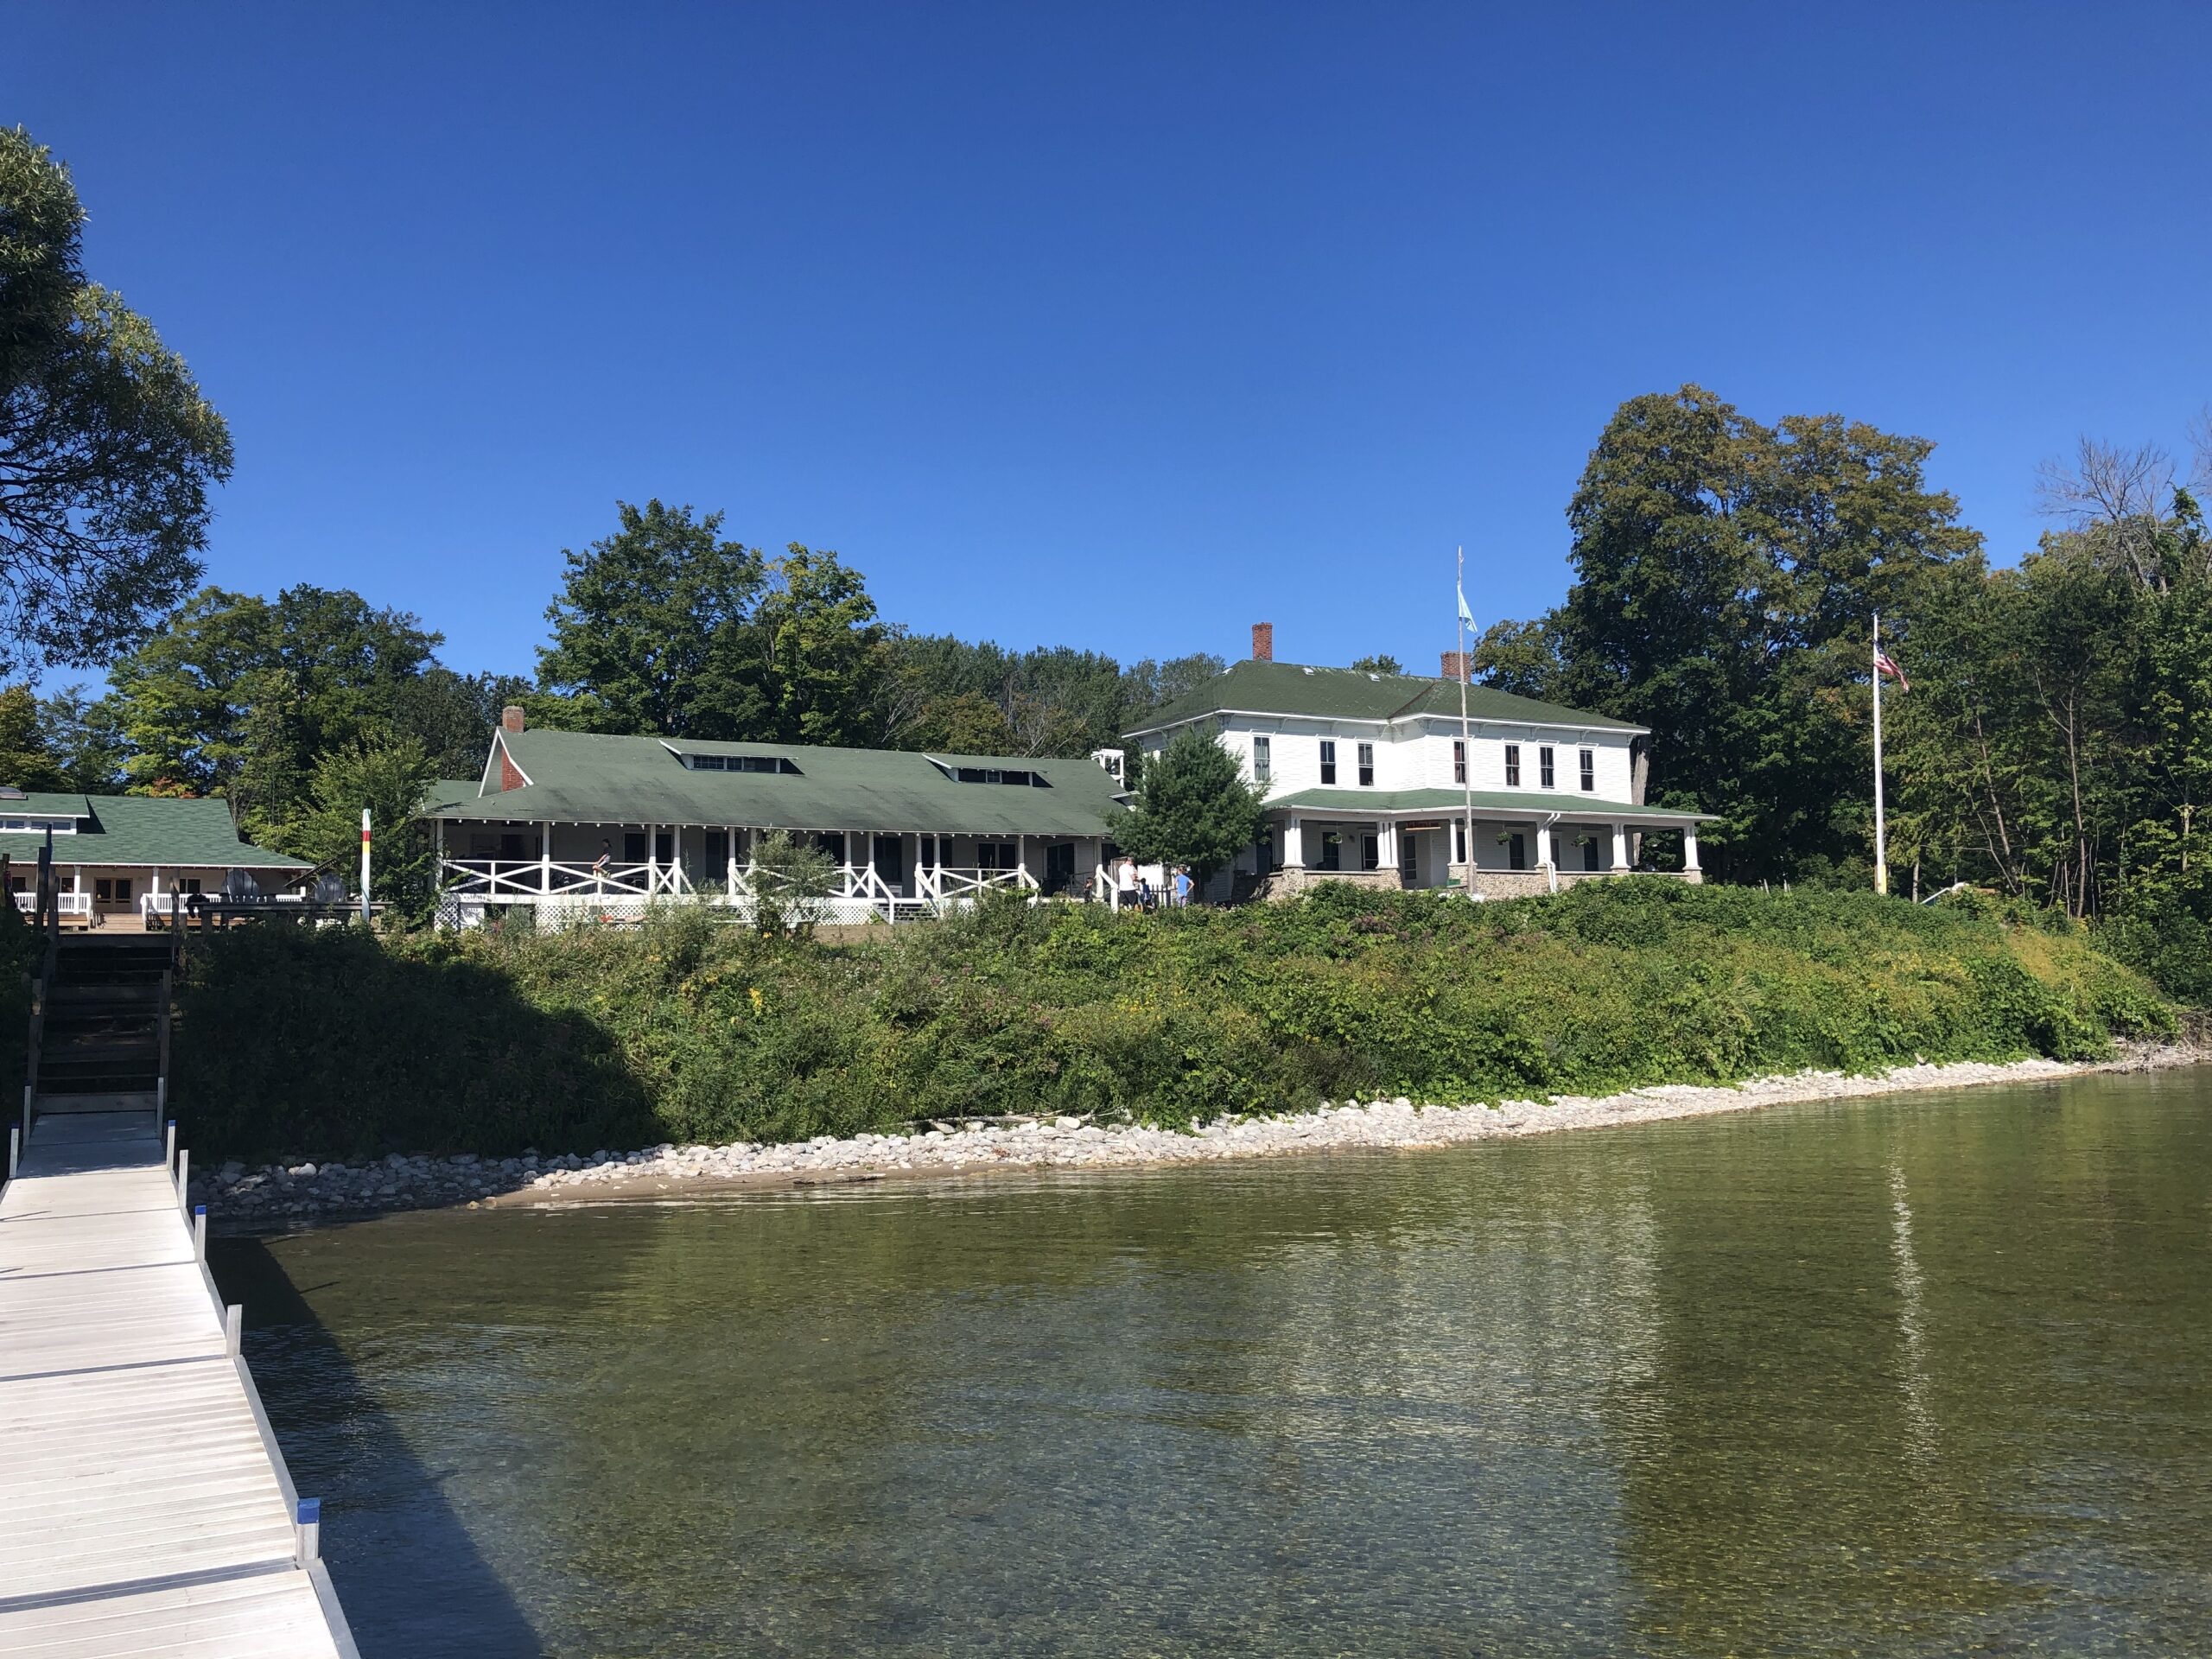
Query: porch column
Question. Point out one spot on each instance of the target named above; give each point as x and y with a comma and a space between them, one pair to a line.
1021, 857
653, 857
545, 858
1689, 847
1620, 847
1294, 844
1386, 844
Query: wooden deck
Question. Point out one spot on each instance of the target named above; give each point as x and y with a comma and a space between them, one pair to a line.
145, 1507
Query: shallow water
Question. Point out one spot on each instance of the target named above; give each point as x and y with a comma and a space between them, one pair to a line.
1927, 1375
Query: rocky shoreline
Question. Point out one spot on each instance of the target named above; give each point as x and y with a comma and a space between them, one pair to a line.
281, 1195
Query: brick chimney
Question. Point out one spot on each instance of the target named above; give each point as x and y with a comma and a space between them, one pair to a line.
511, 718
1263, 642
1454, 665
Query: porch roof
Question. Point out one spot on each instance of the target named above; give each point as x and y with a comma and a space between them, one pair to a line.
137, 831
1520, 803
585, 778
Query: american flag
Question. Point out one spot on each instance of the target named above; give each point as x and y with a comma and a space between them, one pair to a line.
1883, 666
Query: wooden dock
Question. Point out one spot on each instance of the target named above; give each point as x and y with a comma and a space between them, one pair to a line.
144, 1506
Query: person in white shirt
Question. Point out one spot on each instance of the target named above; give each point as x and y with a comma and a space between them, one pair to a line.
1125, 882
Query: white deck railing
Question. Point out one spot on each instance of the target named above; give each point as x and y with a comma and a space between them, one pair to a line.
614, 891
68, 903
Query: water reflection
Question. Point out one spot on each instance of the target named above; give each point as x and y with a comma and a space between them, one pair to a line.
1920, 1376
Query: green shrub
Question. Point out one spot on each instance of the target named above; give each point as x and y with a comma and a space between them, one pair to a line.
689, 1029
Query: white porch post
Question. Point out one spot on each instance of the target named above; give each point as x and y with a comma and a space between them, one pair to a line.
1294, 844
545, 858
1689, 847
729, 859
1386, 848
652, 857
1021, 857
1620, 847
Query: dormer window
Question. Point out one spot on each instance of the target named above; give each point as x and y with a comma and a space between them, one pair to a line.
999, 775
770, 763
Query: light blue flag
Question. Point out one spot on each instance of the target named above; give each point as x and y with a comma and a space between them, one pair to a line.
1466, 615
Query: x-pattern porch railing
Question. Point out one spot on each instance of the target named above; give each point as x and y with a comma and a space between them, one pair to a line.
860, 889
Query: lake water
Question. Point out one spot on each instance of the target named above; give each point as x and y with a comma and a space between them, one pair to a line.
1923, 1375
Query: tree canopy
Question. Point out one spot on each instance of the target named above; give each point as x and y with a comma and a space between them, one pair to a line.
107, 449
1726, 576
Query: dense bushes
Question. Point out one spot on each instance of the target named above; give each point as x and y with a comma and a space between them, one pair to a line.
690, 1030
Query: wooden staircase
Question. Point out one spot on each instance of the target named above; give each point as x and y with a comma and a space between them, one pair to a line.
100, 1041
99, 1035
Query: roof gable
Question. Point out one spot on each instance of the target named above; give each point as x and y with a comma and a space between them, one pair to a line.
1271, 688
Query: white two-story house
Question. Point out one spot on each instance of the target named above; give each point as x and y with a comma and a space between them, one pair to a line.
1369, 777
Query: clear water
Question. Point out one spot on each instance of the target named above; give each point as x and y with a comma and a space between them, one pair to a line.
1927, 1375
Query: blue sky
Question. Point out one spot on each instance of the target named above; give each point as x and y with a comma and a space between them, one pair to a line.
1120, 327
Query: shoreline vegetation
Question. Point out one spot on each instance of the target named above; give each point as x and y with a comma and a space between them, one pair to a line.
295, 1047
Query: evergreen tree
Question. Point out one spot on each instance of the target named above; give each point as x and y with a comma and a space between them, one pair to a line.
1194, 806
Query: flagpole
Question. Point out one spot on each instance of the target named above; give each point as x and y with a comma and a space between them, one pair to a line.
1881, 845
1466, 744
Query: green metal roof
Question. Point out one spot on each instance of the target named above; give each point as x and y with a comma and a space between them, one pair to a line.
583, 777
1270, 688
137, 829
1359, 803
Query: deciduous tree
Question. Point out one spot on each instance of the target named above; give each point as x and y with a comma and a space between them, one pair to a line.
107, 449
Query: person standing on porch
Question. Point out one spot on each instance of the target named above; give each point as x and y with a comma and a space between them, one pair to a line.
1125, 882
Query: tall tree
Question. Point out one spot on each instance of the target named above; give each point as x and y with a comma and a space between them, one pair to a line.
242, 697
86, 738
653, 632
822, 649
1726, 574
107, 450
26, 760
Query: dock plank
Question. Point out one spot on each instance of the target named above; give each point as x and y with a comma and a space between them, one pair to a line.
142, 1509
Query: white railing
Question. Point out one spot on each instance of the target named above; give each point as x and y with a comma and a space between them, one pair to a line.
507, 881
613, 892
947, 888
66, 902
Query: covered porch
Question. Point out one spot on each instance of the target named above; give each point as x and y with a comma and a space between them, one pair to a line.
1516, 853
613, 870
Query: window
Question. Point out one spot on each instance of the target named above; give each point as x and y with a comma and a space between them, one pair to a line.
1262, 761
1329, 765
1589, 759
717, 852
997, 855
1513, 765
832, 842
1367, 769
1459, 841
999, 775
1459, 760
1370, 852
190, 884
1547, 774
39, 826
633, 846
